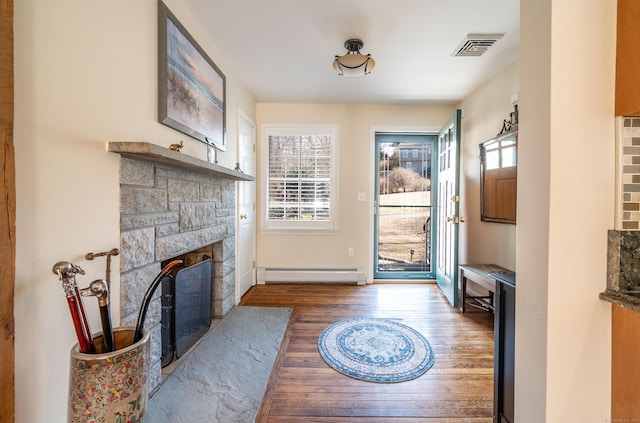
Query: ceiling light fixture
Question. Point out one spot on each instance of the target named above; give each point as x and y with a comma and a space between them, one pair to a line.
354, 64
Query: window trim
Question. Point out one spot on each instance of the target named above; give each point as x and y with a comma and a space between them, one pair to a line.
299, 226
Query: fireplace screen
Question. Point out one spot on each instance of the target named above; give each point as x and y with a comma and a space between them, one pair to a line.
186, 309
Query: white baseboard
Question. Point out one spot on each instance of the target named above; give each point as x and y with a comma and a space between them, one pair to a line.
292, 275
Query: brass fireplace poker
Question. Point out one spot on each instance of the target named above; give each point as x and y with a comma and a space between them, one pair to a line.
111, 252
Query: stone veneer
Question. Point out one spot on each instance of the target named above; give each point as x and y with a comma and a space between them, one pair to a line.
166, 211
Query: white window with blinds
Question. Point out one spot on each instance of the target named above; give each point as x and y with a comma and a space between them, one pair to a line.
299, 174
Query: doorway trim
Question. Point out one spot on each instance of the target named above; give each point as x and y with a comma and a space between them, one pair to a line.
427, 130
245, 119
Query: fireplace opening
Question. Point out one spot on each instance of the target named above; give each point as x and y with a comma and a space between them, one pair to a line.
186, 304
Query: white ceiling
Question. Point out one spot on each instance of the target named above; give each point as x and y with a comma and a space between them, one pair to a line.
283, 50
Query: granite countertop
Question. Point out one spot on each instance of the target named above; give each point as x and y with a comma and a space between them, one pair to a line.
623, 269
630, 301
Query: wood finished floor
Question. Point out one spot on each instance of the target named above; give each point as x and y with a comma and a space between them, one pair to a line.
303, 388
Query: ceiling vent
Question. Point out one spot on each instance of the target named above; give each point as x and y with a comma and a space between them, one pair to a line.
476, 44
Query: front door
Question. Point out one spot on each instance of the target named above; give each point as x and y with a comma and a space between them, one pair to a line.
403, 203
246, 208
448, 203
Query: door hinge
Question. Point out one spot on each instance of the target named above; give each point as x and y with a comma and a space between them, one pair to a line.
253, 264
254, 148
455, 198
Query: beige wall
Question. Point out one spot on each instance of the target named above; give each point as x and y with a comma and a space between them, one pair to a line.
483, 111
355, 174
85, 73
565, 207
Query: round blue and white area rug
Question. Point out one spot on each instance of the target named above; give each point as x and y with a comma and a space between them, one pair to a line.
375, 350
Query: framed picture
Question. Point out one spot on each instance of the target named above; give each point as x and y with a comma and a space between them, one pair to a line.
191, 88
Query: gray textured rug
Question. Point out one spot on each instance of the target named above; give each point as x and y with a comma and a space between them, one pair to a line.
224, 378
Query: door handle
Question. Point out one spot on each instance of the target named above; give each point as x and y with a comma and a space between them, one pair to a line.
455, 219
243, 216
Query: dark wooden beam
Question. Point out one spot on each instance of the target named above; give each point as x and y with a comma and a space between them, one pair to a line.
7, 214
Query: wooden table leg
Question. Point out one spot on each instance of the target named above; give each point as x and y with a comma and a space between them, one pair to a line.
463, 300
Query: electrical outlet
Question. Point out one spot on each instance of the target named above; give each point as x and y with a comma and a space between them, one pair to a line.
351, 252
362, 196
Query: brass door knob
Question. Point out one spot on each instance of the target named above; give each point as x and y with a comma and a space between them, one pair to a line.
455, 219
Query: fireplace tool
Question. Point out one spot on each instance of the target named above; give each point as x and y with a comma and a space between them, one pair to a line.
112, 252
147, 297
99, 289
67, 272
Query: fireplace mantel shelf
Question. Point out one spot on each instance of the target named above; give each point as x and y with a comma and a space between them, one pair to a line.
158, 154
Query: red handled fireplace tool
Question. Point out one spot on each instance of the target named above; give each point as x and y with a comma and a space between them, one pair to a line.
67, 272
147, 297
98, 288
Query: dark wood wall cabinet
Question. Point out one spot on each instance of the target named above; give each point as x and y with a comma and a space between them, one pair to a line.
504, 353
625, 366
628, 59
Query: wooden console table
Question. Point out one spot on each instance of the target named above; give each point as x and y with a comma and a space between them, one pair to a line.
479, 274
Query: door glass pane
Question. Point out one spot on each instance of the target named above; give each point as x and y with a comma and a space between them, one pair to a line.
509, 157
493, 159
404, 207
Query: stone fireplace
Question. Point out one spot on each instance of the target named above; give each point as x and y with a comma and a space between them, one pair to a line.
171, 204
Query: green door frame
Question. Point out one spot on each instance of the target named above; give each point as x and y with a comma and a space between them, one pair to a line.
402, 137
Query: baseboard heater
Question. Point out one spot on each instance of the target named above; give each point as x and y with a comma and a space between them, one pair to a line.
293, 275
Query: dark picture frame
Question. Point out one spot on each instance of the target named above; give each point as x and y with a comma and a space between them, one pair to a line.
191, 88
